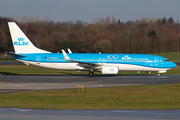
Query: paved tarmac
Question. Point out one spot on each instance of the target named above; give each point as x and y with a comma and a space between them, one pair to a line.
40, 114
18, 83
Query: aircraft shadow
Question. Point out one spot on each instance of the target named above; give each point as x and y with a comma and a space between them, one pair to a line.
7, 73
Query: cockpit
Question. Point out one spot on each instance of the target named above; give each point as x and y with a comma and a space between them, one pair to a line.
166, 60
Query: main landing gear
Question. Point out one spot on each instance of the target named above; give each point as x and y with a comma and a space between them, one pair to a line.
91, 74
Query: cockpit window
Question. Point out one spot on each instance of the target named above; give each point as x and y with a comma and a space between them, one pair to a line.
166, 60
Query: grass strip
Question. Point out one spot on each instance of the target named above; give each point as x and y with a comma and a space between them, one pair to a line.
133, 97
8, 60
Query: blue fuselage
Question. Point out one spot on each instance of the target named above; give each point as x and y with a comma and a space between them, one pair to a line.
152, 61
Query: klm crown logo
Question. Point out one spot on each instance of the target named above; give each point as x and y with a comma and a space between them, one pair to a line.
21, 42
21, 39
111, 69
126, 57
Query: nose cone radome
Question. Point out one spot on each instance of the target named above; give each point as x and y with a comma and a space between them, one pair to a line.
172, 65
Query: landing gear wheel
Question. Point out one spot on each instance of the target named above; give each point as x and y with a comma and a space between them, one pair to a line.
158, 74
91, 74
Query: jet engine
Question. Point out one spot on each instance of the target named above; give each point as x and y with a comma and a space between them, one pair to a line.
110, 69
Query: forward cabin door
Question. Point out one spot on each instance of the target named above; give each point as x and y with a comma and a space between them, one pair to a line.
38, 59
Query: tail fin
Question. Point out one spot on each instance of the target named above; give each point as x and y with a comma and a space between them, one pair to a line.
20, 41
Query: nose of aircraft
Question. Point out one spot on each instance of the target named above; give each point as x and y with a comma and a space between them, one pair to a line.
172, 65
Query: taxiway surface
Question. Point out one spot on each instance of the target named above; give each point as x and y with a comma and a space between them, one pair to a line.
40, 114
18, 83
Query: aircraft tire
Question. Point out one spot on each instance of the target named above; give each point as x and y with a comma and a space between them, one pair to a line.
91, 74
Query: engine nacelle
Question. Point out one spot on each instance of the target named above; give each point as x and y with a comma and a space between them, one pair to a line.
110, 70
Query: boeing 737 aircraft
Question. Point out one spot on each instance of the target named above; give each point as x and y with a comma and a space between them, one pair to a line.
27, 53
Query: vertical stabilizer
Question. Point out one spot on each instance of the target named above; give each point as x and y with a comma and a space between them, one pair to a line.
20, 41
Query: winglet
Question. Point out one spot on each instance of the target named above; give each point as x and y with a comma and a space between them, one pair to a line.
66, 56
69, 50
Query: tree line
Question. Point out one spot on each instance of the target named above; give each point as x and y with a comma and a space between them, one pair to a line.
106, 35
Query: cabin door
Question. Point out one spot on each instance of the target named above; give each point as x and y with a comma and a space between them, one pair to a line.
156, 61
38, 59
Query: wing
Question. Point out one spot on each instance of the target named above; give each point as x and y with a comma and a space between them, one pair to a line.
82, 64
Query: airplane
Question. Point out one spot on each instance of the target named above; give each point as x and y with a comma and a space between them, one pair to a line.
105, 63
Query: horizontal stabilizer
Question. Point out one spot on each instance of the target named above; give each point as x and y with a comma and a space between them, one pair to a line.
13, 53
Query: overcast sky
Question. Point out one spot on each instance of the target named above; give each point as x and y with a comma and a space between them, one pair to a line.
87, 10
